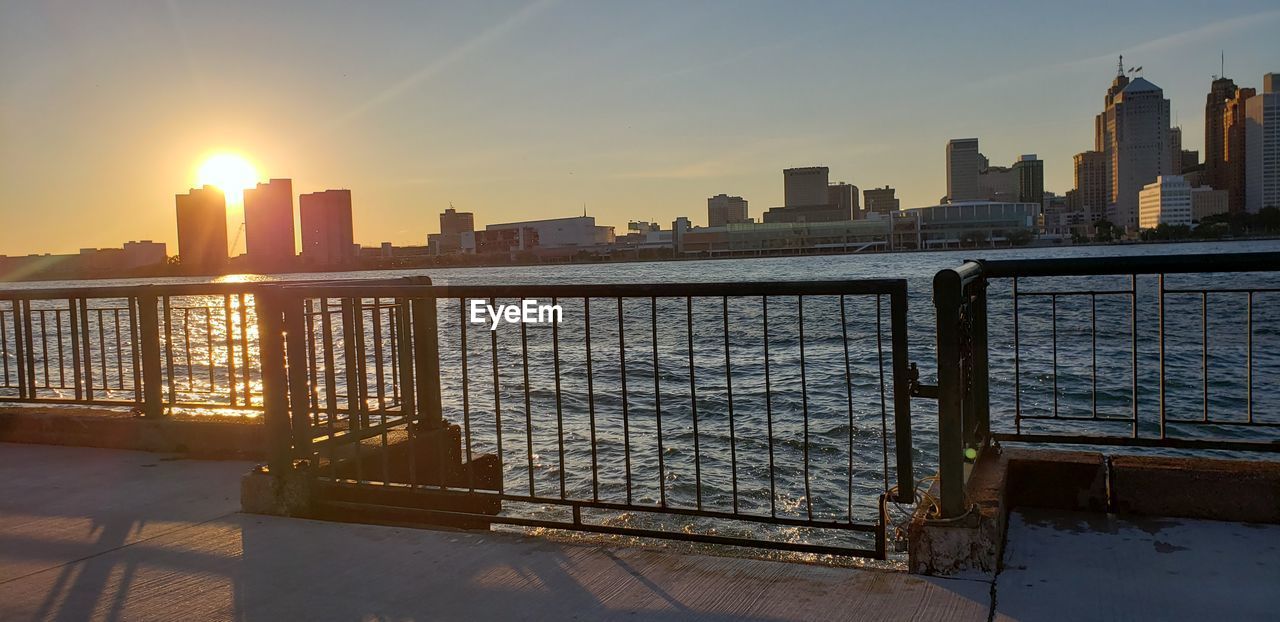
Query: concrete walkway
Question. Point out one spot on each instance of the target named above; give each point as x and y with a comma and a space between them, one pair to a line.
119, 535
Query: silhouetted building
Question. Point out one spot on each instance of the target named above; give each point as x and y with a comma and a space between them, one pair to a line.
1262, 141
1206, 201
268, 224
1091, 192
1221, 90
964, 163
144, 253
805, 186
327, 235
723, 209
202, 229
1233, 149
453, 222
1030, 173
844, 198
880, 200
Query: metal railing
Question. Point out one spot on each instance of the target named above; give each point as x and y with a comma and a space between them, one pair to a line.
769, 415
1156, 352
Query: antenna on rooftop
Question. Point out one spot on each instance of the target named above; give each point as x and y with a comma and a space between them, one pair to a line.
1120, 66
1222, 63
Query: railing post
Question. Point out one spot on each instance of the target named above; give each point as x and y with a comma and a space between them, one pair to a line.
298, 378
149, 329
426, 355
20, 351
981, 425
275, 384
947, 292
901, 392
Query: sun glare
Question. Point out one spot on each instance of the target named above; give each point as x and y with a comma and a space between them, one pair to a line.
231, 173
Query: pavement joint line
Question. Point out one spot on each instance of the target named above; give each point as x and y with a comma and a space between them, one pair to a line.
117, 548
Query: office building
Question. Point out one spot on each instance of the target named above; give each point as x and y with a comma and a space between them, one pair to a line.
723, 209
1091, 191
144, 253
574, 232
976, 223
268, 224
1262, 142
1134, 138
1029, 171
1165, 201
1220, 91
964, 163
1206, 201
1234, 150
880, 200
202, 230
805, 186
327, 232
453, 222
844, 199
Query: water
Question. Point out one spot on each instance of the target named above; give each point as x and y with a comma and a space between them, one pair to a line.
837, 473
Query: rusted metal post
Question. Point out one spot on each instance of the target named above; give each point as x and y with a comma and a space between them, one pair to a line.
299, 382
275, 385
152, 377
426, 361
901, 392
947, 290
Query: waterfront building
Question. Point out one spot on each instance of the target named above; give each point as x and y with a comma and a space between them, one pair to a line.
747, 239
880, 200
1134, 138
202, 229
1165, 201
1029, 171
453, 224
723, 209
805, 186
964, 163
574, 232
1206, 201
1262, 143
268, 224
144, 253
843, 198
1233, 149
977, 223
1091, 193
327, 230
996, 183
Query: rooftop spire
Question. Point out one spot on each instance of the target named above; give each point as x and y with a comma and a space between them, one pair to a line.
1120, 66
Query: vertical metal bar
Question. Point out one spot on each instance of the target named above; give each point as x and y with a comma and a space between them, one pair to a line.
30, 363
311, 357
208, 348
102, 349
44, 347
86, 340
380, 390
947, 296
804, 406
393, 321
497, 410
1053, 322
186, 346
149, 335
19, 350
693, 399
330, 375
848, 390
1249, 364
555, 364
528, 408
229, 329
591, 401
1093, 349
728, 388
135, 353
657, 401
1133, 336
1017, 364
119, 349
57, 323
275, 414
244, 349
902, 389
1204, 351
295, 344
408, 398
466, 398
351, 370
426, 362
884, 408
1161, 327
626, 425
768, 408
4, 348
361, 361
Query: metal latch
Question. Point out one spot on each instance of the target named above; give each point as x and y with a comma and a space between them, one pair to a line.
920, 390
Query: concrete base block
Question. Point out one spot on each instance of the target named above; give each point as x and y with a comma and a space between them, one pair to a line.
291, 494
1212, 489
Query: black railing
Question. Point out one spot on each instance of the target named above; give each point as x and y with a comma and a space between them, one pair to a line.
1158, 352
771, 414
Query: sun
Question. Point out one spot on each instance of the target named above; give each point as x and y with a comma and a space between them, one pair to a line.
230, 172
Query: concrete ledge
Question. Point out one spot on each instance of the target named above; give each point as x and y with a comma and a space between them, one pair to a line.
1213, 489
1058, 480
85, 427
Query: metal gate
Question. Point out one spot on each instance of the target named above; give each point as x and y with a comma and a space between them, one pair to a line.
771, 415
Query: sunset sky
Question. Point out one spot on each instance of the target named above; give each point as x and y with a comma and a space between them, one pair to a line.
640, 110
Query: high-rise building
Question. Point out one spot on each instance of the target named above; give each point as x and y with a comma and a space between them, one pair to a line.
1030, 172
1234, 150
268, 224
453, 222
964, 163
1262, 142
723, 209
844, 199
880, 200
1206, 202
1135, 136
202, 229
1092, 194
327, 236
1221, 90
1174, 144
1165, 201
805, 186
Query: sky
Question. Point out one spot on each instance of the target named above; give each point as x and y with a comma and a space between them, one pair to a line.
524, 110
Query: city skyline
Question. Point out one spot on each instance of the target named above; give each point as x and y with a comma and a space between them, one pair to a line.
78, 152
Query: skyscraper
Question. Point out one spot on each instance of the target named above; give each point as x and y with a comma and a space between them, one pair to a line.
805, 186
453, 222
1134, 138
963, 165
1232, 170
844, 199
327, 237
1092, 194
1262, 143
202, 229
268, 224
1221, 90
723, 209
880, 200
1030, 172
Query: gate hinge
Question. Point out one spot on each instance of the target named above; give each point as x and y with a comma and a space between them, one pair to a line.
920, 390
